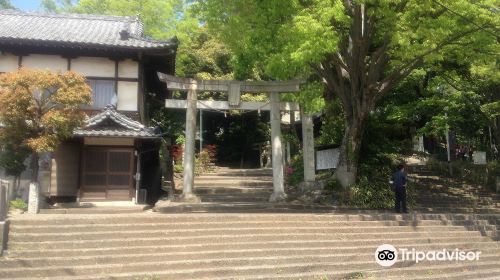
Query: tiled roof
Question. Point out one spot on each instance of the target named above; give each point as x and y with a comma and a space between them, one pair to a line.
76, 30
113, 124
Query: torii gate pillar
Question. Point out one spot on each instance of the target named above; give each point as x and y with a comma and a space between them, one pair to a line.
189, 148
277, 151
308, 147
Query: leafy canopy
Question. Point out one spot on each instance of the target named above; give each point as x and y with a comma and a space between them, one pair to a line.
12, 159
284, 38
5, 4
40, 108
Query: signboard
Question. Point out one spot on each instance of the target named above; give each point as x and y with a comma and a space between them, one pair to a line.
479, 157
327, 159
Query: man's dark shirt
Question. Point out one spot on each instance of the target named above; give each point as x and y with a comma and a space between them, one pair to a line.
399, 179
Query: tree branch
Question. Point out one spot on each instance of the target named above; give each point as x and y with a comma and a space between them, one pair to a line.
349, 7
403, 71
328, 81
401, 6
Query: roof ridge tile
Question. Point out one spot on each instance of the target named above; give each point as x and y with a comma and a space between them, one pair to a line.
69, 15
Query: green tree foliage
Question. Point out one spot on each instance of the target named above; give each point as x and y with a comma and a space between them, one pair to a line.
56, 5
359, 50
159, 17
39, 109
12, 159
203, 56
5, 4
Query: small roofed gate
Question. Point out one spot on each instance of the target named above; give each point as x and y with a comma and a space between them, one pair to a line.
107, 174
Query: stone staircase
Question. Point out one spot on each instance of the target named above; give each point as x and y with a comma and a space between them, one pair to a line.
242, 246
236, 186
446, 195
236, 234
230, 190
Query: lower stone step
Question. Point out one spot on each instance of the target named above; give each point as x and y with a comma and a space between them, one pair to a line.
241, 247
238, 268
97, 227
346, 240
348, 232
140, 254
334, 216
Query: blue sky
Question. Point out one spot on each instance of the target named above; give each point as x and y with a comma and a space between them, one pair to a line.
26, 5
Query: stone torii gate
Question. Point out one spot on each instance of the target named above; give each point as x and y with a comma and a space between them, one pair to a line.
234, 88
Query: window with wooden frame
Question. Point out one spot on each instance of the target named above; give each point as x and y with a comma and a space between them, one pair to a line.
103, 93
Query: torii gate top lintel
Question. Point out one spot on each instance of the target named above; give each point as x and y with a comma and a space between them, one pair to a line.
177, 83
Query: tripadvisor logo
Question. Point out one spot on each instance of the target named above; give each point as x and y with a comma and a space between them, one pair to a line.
387, 255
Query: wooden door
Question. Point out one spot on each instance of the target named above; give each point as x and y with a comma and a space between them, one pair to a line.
107, 174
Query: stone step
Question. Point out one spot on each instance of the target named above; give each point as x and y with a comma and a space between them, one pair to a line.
354, 239
91, 227
438, 272
228, 207
234, 198
345, 231
244, 248
202, 190
460, 210
183, 263
456, 197
475, 274
238, 268
91, 211
234, 178
211, 246
457, 205
454, 201
267, 172
146, 218
231, 183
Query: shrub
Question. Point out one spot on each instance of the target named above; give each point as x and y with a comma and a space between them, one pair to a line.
377, 195
178, 168
18, 204
372, 192
205, 160
294, 173
176, 151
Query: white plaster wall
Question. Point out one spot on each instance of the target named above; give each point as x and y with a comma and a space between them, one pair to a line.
128, 69
8, 62
127, 96
45, 62
94, 66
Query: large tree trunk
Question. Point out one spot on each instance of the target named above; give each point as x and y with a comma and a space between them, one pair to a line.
359, 75
34, 167
347, 169
34, 189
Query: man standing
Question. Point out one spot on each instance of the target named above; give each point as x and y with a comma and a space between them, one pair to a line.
399, 186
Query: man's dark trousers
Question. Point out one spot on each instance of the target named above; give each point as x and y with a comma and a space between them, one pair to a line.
400, 199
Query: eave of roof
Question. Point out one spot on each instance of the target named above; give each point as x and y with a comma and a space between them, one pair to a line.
77, 31
127, 126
